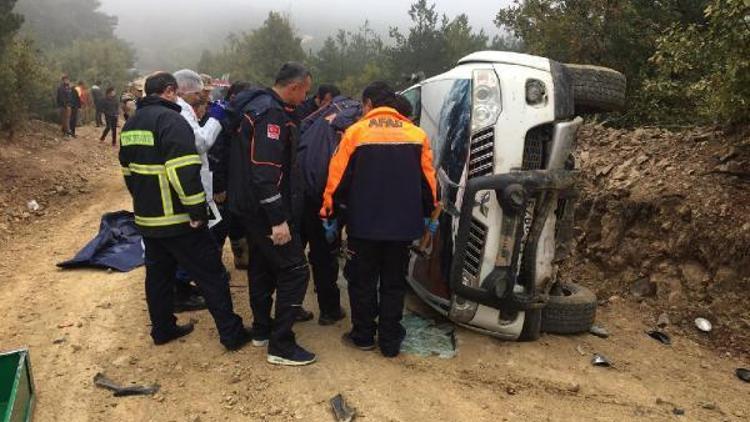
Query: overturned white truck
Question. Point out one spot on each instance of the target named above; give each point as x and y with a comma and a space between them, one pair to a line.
503, 128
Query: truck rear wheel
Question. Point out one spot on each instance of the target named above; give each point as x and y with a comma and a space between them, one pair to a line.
597, 89
571, 309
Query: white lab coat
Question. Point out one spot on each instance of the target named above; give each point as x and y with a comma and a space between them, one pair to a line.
205, 137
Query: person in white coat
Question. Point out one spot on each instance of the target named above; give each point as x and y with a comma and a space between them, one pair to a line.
189, 97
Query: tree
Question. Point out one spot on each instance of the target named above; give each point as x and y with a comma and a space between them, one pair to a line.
459, 39
703, 71
10, 22
620, 34
23, 76
25, 81
56, 36
351, 60
433, 43
57, 23
258, 55
272, 45
108, 59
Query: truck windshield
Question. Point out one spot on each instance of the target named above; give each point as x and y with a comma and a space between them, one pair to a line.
446, 115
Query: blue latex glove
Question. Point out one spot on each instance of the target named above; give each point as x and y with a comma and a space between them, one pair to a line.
331, 228
216, 111
431, 225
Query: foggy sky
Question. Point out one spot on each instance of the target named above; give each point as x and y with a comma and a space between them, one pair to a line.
189, 26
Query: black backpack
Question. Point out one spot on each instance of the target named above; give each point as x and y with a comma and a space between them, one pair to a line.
320, 136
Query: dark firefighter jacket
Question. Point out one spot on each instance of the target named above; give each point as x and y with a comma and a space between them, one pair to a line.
162, 169
383, 174
265, 184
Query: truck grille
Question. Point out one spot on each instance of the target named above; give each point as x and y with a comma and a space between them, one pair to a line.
482, 153
474, 252
537, 140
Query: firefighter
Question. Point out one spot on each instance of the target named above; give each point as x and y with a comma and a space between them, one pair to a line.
386, 211
162, 172
265, 190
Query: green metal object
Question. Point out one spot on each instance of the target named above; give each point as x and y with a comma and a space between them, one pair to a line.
16, 387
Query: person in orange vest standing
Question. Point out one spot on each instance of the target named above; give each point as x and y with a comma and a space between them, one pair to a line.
382, 176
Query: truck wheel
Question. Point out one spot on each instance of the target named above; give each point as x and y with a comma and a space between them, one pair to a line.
532, 326
571, 309
597, 89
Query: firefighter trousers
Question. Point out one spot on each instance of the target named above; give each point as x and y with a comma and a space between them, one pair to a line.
198, 254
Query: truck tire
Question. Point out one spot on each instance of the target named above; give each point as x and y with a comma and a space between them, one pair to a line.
571, 309
597, 89
532, 326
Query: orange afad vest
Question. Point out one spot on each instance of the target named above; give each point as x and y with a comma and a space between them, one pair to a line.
391, 177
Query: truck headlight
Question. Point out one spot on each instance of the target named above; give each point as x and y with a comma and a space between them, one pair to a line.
486, 99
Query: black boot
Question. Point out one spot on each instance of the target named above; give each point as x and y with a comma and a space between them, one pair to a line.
179, 331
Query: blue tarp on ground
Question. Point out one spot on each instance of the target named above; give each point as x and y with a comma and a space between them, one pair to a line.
117, 246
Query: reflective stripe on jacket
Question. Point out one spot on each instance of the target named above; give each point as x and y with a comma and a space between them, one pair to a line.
162, 169
265, 184
382, 174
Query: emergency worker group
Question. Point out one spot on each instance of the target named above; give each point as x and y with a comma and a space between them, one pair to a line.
294, 183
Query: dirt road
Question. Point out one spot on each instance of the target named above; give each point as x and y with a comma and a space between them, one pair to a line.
78, 323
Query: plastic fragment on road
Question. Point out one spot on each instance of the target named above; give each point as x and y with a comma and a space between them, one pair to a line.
660, 336
601, 360
101, 380
17, 392
599, 331
425, 337
341, 411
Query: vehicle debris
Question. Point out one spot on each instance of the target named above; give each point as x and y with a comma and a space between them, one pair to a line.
425, 337
660, 336
101, 380
341, 410
743, 374
601, 360
599, 331
704, 325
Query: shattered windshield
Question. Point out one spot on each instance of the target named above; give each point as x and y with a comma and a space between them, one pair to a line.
446, 114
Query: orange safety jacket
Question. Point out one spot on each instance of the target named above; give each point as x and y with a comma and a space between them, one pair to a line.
382, 174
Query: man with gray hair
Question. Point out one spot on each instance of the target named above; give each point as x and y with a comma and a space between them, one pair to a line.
189, 98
